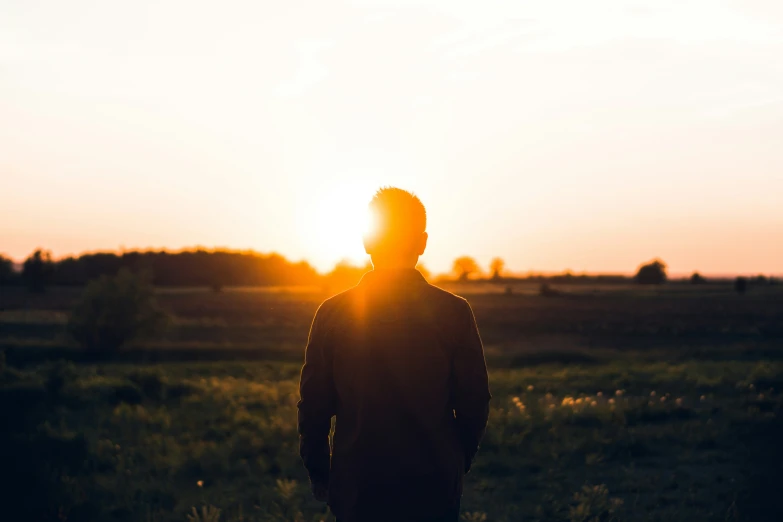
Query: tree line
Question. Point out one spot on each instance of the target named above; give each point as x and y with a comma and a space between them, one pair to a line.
221, 268
201, 268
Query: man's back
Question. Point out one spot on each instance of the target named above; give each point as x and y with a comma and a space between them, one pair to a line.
400, 364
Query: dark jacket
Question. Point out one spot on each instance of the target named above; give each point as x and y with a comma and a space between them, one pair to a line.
400, 364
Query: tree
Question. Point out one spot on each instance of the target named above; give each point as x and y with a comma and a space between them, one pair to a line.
464, 266
697, 279
203, 268
37, 270
114, 310
344, 275
496, 266
652, 273
7, 274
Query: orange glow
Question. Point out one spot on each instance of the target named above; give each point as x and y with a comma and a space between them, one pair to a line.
336, 223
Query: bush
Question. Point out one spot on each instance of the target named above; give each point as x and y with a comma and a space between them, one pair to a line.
653, 273
697, 279
113, 311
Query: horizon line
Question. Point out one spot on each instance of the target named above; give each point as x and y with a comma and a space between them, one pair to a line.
252, 251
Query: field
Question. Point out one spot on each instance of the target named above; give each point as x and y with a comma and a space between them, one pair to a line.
609, 404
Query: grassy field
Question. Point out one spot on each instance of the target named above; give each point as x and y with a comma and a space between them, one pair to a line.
609, 404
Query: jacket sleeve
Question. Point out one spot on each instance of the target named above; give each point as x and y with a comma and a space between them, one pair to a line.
471, 394
316, 403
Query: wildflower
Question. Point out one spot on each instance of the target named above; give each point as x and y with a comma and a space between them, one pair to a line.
579, 400
619, 393
593, 404
551, 406
548, 396
703, 398
663, 399
200, 483
530, 388
652, 393
515, 400
761, 396
651, 403
751, 386
611, 401
679, 401
567, 401
599, 394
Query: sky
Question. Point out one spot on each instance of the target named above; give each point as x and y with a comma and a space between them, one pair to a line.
588, 136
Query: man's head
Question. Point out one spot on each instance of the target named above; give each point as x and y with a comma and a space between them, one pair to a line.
398, 234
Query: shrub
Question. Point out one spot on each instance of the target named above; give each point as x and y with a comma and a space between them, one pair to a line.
593, 504
697, 279
113, 311
652, 273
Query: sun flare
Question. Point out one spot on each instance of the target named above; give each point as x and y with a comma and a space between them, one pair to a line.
337, 224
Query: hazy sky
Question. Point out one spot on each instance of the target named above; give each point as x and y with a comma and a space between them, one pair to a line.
557, 135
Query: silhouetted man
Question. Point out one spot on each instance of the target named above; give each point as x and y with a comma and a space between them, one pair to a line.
400, 365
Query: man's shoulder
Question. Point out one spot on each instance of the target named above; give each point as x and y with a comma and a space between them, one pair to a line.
445, 302
436, 292
351, 300
338, 302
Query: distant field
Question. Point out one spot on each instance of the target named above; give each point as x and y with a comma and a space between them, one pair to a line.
261, 323
613, 403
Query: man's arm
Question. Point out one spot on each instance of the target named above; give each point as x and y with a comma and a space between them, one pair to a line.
316, 407
472, 395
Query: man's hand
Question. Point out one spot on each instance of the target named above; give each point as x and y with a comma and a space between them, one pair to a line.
320, 491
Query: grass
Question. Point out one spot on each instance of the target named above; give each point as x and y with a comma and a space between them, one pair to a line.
606, 407
658, 441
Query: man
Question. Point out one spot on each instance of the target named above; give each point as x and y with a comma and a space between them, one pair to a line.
400, 365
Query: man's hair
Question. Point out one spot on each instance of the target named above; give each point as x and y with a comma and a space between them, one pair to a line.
399, 219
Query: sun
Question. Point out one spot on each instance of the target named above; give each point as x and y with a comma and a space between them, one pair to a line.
336, 224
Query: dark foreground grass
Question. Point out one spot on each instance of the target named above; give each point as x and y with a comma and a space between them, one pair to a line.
644, 440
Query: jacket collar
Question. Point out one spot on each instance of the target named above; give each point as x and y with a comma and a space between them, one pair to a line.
395, 276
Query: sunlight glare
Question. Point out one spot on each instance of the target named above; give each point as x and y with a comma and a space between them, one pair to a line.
338, 223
